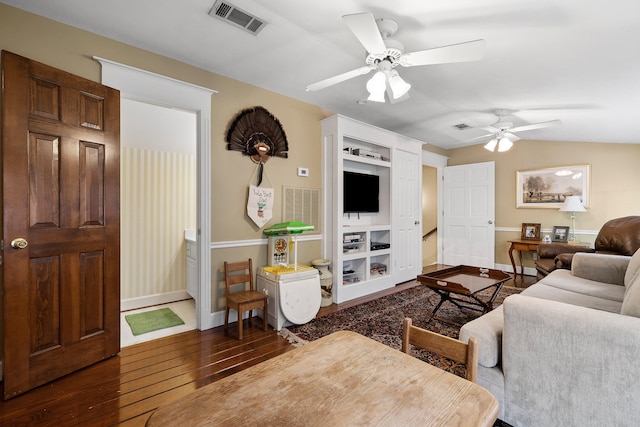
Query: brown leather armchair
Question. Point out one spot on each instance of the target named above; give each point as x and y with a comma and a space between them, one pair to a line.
620, 236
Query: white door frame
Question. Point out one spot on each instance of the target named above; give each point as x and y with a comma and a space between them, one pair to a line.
145, 86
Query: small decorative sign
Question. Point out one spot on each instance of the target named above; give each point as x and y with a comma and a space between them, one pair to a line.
260, 204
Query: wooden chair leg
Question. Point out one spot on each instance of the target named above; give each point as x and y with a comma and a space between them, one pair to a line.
265, 317
240, 325
226, 318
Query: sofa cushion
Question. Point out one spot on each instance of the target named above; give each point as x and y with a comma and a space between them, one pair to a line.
564, 279
600, 267
631, 302
542, 291
632, 269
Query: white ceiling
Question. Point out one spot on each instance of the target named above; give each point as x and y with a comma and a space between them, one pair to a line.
573, 60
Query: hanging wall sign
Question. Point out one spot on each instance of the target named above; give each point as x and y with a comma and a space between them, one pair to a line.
260, 204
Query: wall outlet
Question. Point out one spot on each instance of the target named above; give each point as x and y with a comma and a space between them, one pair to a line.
303, 171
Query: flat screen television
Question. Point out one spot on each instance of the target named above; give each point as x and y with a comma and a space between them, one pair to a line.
360, 192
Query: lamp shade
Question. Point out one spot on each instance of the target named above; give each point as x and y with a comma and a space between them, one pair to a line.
376, 87
398, 86
572, 204
504, 144
491, 145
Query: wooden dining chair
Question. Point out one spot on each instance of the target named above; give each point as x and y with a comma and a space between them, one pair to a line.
451, 348
236, 273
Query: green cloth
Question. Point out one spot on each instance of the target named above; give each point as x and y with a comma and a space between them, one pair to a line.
148, 321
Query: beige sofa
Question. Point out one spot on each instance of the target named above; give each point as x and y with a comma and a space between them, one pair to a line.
566, 351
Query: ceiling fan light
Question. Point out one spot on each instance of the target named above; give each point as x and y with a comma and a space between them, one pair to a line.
377, 84
491, 145
504, 144
398, 86
376, 97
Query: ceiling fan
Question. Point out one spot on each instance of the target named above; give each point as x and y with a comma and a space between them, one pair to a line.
503, 131
385, 54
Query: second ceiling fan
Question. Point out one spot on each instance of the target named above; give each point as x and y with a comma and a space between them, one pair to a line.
502, 131
385, 54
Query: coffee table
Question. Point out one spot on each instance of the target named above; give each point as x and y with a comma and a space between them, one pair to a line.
467, 281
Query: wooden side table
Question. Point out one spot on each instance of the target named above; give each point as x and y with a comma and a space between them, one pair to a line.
521, 245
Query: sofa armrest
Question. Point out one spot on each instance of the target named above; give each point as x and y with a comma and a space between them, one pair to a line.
569, 365
552, 250
600, 267
487, 329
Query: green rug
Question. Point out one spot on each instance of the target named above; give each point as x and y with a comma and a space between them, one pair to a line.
149, 321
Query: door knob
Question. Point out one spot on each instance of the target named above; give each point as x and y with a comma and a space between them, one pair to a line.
490, 222
19, 243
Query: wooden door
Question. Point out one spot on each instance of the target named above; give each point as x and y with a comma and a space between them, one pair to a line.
469, 215
61, 196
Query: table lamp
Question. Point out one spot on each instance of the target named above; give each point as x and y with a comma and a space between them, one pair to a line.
572, 204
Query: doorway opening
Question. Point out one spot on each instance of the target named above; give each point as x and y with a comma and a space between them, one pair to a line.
141, 85
158, 211
429, 216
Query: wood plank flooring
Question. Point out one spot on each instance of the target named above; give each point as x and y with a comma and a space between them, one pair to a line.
125, 389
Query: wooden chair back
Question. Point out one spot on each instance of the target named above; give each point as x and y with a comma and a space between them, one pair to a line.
451, 348
236, 273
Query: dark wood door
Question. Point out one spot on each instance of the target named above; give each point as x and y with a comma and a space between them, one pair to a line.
61, 223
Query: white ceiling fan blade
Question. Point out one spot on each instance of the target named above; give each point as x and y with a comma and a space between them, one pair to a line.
489, 129
363, 26
461, 52
537, 126
512, 136
489, 135
339, 78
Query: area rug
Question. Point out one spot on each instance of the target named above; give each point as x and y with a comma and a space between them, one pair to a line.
148, 321
381, 320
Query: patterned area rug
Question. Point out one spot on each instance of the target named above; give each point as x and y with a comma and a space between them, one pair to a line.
382, 318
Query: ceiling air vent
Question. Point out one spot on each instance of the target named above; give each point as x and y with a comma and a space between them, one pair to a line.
462, 126
237, 17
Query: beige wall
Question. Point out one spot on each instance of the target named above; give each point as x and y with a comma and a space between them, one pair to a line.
71, 49
614, 184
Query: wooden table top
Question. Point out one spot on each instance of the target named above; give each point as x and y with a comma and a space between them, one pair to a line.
341, 379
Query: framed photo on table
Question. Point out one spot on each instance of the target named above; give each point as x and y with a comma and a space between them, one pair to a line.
547, 188
560, 234
530, 231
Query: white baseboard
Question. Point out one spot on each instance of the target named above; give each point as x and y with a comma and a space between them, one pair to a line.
155, 299
528, 271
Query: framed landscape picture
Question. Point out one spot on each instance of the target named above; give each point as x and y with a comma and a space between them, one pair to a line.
547, 188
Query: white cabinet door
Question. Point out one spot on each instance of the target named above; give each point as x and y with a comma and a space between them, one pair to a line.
469, 215
406, 245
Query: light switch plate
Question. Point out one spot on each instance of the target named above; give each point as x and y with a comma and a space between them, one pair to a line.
303, 171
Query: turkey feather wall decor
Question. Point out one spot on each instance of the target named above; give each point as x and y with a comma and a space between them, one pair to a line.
258, 134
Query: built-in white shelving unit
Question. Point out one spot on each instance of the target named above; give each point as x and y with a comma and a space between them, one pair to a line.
360, 244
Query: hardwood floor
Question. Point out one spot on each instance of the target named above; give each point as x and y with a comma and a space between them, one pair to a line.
125, 389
